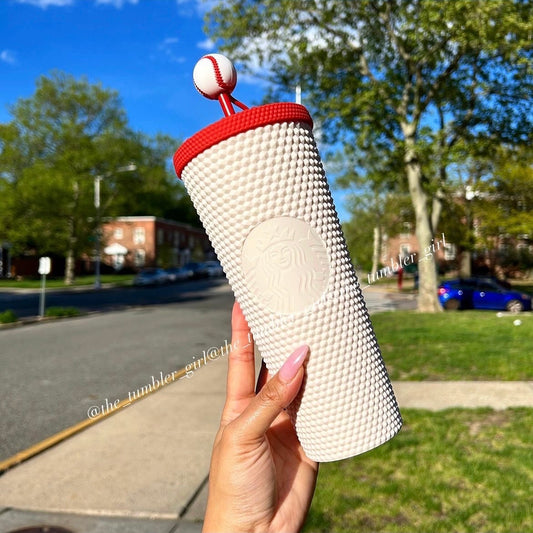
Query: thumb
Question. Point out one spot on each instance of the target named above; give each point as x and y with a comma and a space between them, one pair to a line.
273, 397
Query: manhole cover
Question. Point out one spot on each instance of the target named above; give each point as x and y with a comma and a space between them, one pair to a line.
42, 529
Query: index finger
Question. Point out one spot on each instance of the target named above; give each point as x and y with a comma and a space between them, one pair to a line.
240, 387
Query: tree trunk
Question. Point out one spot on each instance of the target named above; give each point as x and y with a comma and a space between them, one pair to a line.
70, 256
465, 268
436, 210
427, 289
376, 251
69, 268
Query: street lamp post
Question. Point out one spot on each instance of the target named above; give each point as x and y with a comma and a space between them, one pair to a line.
97, 282
97, 180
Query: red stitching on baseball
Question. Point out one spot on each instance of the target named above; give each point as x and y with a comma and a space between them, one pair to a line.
218, 76
204, 94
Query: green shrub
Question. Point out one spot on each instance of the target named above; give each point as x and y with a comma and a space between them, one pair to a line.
62, 311
8, 316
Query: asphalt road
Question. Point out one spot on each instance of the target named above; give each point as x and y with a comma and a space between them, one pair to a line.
53, 372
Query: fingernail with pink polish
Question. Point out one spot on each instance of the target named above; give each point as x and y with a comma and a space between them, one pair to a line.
293, 363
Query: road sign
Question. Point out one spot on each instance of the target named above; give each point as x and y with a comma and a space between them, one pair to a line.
45, 265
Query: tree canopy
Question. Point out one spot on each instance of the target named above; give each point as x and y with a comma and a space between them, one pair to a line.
68, 133
417, 76
502, 204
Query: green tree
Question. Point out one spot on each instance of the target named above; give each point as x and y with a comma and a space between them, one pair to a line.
491, 203
503, 203
54, 146
418, 75
61, 139
153, 189
370, 175
372, 219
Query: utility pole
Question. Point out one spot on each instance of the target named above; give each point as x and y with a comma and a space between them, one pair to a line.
97, 180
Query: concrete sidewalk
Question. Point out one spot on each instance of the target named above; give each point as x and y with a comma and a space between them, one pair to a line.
439, 395
140, 470
144, 469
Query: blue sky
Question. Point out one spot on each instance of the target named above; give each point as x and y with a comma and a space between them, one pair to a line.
144, 49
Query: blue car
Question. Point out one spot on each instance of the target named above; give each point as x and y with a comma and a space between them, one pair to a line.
482, 293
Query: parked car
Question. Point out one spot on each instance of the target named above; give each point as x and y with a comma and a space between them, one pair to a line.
178, 274
198, 270
213, 268
151, 276
482, 293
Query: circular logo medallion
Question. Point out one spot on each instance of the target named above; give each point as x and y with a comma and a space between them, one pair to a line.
285, 264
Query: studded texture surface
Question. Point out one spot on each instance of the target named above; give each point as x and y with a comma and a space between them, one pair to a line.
264, 192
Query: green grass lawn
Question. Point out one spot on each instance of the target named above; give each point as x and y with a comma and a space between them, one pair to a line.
464, 345
120, 279
456, 470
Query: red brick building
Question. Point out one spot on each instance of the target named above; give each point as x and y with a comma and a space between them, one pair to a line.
147, 241
406, 244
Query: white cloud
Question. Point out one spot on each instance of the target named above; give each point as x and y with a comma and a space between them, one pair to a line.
117, 3
208, 45
7, 56
43, 4
197, 7
168, 47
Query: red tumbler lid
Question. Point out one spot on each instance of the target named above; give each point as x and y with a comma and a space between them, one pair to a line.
231, 125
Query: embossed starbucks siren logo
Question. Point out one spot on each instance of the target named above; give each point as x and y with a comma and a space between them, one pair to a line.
285, 264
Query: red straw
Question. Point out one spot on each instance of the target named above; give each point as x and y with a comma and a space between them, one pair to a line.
227, 101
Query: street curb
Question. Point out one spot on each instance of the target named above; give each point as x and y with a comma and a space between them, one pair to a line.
28, 321
25, 321
74, 288
47, 443
59, 437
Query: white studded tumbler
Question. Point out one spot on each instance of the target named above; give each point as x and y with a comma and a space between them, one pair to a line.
258, 184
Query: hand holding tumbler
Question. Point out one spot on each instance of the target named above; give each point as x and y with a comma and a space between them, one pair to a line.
257, 181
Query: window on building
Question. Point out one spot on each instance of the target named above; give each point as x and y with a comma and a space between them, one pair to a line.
405, 249
140, 258
139, 236
406, 230
118, 233
450, 251
160, 236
